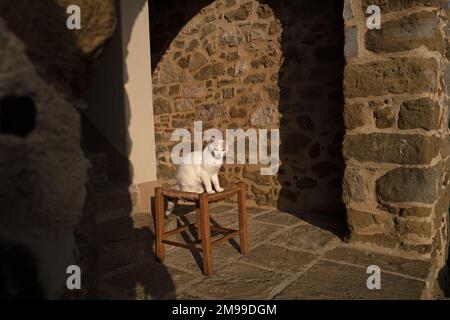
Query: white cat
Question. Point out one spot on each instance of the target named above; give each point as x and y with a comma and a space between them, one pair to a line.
198, 176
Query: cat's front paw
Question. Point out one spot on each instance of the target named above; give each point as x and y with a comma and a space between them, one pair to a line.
210, 191
219, 189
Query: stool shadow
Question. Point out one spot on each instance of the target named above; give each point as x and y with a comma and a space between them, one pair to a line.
180, 212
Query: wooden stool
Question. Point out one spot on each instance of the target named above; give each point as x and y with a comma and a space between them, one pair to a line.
202, 224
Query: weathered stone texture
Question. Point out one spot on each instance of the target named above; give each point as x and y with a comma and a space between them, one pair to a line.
236, 68
392, 148
422, 113
43, 167
384, 118
65, 59
410, 185
397, 5
407, 33
326, 278
392, 76
356, 115
358, 220
395, 182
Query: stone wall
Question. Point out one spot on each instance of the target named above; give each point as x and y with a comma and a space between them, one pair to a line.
43, 69
256, 64
396, 115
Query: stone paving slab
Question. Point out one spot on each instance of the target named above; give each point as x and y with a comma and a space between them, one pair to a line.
241, 282
222, 208
413, 268
329, 280
184, 259
253, 211
289, 258
280, 259
279, 218
259, 232
307, 237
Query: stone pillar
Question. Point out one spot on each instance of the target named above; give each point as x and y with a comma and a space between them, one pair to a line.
396, 117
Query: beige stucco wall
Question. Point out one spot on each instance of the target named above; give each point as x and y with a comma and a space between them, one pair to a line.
138, 87
120, 95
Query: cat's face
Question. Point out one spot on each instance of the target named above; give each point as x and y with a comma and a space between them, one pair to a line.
218, 149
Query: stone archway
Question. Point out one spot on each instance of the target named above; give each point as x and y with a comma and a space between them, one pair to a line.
239, 64
257, 64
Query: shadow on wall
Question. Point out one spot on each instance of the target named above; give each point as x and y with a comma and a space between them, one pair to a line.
171, 22
28, 125
120, 240
311, 107
310, 98
105, 242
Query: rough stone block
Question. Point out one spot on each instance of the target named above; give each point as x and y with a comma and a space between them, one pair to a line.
397, 5
351, 42
421, 113
384, 118
264, 11
406, 227
348, 10
240, 14
422, 249
263, 117
410, 185
183, 105
211, 71
360, 220
161, 106
196, 61
208, 112
407, 33
379, 239
231, 38
355, 115
391, 148
354, 186
255, 78
392, 76
445, 147
194, 91
238, 112
420, 212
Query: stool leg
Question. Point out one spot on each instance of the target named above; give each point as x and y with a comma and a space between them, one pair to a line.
198, 222
159, 225
205, 230
242, 209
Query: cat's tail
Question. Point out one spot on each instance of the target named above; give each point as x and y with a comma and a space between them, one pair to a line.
171, 204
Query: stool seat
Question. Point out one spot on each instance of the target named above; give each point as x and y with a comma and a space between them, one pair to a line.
202, 225
229, 190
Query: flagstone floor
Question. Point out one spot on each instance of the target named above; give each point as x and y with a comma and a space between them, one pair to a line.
289, 258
